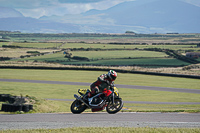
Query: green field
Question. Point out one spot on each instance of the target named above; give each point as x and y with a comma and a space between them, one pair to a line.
55, 91
124, 57
138, 52
93, 55
140, 62
117, 54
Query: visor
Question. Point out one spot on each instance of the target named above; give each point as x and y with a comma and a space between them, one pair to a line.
113, 77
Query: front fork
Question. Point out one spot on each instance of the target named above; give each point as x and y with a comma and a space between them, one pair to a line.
113, 98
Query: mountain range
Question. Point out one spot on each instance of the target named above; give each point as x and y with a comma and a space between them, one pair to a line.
140, 16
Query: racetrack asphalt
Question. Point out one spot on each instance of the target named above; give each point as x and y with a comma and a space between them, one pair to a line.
100, 119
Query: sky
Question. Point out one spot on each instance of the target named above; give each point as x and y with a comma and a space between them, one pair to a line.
39, 8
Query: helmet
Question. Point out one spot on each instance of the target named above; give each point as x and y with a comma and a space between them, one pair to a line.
112, 75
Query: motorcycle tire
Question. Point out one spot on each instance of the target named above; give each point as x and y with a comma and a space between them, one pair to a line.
112, 109
78, 107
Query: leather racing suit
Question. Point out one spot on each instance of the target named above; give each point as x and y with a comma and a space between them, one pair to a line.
103, 84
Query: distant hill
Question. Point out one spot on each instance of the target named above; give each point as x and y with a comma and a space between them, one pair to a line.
143, 16
169, 15
9, 12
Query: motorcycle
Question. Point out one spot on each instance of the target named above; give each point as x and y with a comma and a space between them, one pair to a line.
108, 99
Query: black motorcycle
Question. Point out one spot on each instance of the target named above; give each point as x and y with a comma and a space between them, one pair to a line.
113, 103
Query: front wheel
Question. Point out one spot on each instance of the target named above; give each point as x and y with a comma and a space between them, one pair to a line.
78, 107
115, 107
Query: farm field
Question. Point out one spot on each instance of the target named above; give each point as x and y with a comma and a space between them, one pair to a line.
109, 58
117, 54
140, 62
106, 57
141, 50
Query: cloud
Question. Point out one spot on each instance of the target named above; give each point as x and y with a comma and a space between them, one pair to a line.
38, 8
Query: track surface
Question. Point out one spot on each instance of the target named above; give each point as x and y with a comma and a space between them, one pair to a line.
34, 121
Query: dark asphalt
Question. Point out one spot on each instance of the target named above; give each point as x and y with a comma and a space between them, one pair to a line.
117, 85
64, 120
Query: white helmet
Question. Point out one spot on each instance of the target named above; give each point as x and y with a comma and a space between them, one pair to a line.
112, 75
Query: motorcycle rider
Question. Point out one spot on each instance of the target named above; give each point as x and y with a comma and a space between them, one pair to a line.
103, 84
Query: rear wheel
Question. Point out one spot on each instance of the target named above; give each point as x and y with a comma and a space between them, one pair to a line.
116, 107
78, 107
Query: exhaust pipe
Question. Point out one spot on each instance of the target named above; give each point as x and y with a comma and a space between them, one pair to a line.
80, 99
